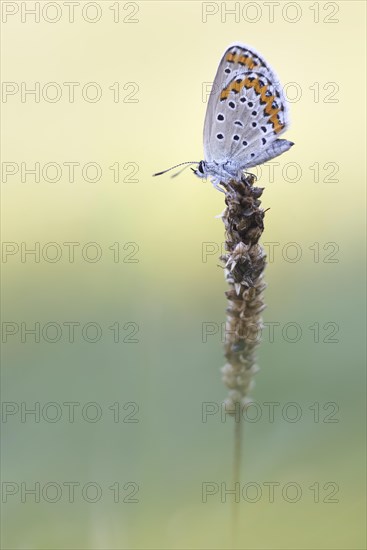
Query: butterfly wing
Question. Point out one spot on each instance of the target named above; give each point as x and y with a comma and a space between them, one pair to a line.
246, 111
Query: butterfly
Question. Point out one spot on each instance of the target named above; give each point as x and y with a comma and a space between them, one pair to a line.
246, 114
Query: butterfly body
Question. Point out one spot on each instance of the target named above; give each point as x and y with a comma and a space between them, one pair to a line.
230, 169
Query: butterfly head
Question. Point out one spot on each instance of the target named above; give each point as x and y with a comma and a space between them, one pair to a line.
201, 170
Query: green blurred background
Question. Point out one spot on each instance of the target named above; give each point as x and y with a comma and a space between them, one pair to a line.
163, 287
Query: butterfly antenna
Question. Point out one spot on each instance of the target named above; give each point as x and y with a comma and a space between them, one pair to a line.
176, 166
180, 171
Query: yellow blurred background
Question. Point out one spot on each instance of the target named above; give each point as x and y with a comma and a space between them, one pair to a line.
120, 93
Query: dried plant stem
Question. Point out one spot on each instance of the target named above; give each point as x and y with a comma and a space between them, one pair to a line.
238, 436
245, 262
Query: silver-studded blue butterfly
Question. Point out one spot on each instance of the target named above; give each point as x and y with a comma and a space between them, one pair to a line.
246, 114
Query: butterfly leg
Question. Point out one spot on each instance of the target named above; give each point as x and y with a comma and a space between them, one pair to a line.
216, 183
249, 175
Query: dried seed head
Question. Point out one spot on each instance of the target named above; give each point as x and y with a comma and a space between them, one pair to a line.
245, 262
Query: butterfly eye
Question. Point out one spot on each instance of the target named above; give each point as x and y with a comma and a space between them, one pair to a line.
200, 167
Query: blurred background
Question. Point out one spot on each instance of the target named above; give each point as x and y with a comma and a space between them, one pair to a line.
126, 447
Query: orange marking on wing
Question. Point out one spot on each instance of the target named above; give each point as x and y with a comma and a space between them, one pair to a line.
278, 127
261, 90
271, 112
224, 94
236, 87
243, 59
232, 87
273, 115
